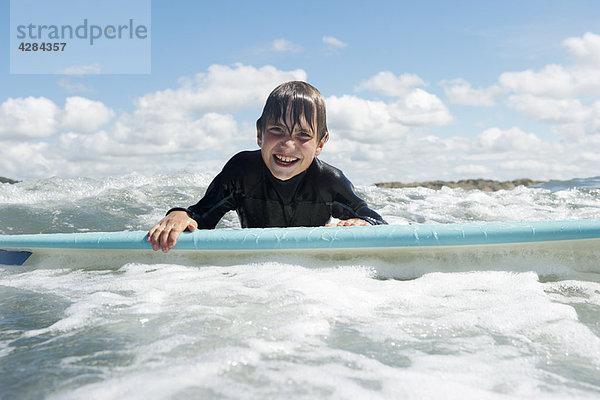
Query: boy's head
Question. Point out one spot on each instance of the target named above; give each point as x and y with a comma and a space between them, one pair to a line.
302, 99
292, 129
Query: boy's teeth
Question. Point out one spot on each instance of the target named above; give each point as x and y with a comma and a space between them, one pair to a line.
286, 159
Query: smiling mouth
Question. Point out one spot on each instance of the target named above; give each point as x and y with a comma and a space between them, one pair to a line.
285, 161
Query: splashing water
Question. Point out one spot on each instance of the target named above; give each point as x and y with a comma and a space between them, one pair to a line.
281, 330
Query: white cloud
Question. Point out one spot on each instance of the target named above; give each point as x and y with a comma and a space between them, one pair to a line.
283, 45
368, 120
421, 108
85, 115
221, 89
28, 118
27, 160
585, 49
70, 86
580, 78
550, 109
387, 83
513, 139
563, 97
36, 118
473, 170
553, 81
377, 120
392, 140
362, 120
168, 129
495, 153
460, 92
131, 138
198, 122
80, 70
333, 41
529, 165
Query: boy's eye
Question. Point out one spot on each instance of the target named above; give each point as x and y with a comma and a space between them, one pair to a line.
304, 135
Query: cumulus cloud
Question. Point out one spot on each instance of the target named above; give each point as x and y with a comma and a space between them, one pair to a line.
362, 120
553, 81
197, 115
377, 121
166, 128
585, 49
37, 118
421, 108
395, 134
126, 139
460, 92
550, 109
85, 115
513, 139
374, 120
392, 137
473, 170
495, 153
24, 159
561, 97
172, 137
333, 41
582, 77
222, 88
172, 127
387, 83
412, 106
28, 118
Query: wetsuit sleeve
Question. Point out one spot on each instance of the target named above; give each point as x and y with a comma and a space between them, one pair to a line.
220, 197
346, 204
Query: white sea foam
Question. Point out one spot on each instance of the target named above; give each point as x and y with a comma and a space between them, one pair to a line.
279, 330
287, 329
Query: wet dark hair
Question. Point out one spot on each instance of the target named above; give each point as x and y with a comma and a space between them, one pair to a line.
303, 99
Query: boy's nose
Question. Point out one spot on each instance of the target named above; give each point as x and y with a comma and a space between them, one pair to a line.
287, 141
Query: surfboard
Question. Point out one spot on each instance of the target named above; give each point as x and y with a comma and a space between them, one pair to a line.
556, 244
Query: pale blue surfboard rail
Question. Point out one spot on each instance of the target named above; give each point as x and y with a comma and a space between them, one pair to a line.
382, 236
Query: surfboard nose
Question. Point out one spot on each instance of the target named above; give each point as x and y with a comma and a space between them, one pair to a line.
13, 257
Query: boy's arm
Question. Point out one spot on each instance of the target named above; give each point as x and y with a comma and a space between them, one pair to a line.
348, 207
351, 222
203, 215
218, 199
165, 233
353, 216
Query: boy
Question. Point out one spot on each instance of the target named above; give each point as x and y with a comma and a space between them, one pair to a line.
283, 184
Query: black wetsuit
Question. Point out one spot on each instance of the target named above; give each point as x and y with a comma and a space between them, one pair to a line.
309, 199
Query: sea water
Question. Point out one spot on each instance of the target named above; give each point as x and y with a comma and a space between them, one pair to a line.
290, 330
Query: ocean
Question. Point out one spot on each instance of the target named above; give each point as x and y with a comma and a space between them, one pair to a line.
295, 329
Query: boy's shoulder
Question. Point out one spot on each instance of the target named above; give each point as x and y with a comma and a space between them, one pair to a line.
246, 155
327, 169
244, 160
329, 181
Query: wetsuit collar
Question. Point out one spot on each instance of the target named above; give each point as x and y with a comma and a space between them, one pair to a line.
286, 189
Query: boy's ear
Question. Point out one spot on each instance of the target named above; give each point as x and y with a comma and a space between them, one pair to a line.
259, 136
321, 144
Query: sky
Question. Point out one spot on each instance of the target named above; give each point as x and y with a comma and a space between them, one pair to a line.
415, 91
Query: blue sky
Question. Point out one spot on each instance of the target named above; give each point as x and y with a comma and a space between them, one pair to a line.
415, 91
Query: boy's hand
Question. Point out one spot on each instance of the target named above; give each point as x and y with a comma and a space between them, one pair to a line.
164, 234
351, 222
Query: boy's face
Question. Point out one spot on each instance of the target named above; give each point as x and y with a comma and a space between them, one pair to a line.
287, 148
